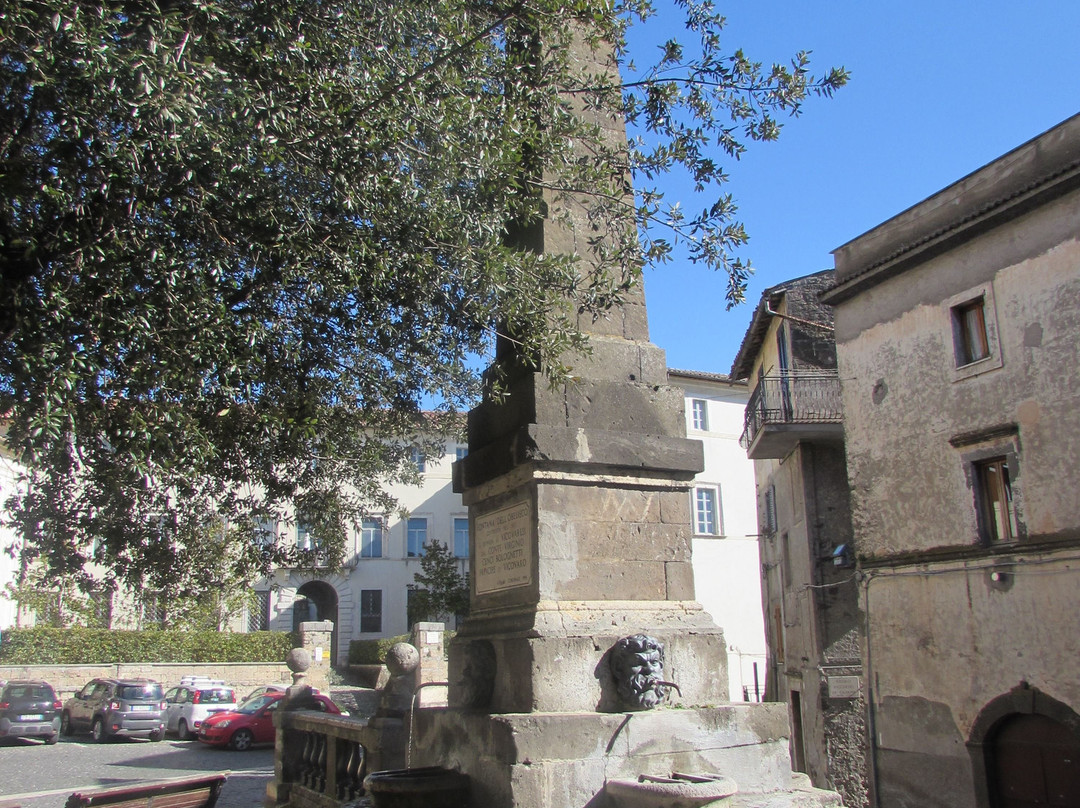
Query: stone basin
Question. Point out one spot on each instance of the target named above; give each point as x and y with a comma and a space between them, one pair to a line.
427, 787
676, 791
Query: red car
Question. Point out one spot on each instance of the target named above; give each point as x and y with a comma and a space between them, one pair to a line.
252, 722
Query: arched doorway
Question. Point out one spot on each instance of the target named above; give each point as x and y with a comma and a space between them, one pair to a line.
1034, 761
317, 600
1025, 751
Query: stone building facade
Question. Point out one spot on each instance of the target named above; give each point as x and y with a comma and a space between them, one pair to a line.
958, 339
793, 433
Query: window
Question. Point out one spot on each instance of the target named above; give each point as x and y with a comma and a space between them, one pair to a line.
460, 452
305, 534
417, 458
307, 539
153, 608
371, 534
997, 516
770, 510
706, 513
785, 560
259, 612
412, 599
972, 325
266, 532
416, 537
103, 607
700, 414
371, 611
461, 537
969, 332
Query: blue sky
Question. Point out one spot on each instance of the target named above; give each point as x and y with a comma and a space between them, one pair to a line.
937, 91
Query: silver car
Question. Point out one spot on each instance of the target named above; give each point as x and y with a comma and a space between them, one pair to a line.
110, 708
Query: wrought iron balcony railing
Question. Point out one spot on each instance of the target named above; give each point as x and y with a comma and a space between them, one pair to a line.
792, 399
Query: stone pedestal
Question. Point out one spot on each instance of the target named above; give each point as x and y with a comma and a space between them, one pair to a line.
553, 657
315, 638
429, 638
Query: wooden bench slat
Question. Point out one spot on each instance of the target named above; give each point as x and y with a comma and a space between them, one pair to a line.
184, 799
185, 792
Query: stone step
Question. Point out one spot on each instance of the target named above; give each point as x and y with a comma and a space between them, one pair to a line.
786, 799
801, 795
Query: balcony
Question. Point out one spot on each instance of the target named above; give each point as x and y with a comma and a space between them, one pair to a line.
792, 408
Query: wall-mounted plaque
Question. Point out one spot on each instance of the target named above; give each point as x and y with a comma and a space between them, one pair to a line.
844, 687
504, 549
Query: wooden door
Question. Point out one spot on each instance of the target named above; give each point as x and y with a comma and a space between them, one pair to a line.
1036, 762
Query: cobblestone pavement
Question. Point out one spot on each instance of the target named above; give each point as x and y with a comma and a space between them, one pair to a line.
36, 776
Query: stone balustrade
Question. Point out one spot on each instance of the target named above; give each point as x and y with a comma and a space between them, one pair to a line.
321, 759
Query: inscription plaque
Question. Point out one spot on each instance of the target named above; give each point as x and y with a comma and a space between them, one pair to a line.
844, 687
504, 549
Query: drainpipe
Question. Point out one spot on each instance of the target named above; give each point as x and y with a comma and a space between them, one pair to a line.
823, 326
868, 675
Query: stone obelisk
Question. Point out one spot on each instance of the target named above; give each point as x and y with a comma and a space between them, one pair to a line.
580, 536
579, 510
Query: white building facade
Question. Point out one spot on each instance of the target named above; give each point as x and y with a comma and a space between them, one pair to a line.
727, 568
368, 598
9, 545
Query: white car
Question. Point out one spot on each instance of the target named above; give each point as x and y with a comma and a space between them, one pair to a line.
188, 705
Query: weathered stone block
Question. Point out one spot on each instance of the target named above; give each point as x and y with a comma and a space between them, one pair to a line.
530, 399
633, 541
596, 452
629, 408
600, 504
636, 323
563, 782
675, 508
557, 661
614, 580
620, 360
558, 535
680, 580
654, 370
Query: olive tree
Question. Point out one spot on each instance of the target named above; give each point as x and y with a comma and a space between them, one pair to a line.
243, 242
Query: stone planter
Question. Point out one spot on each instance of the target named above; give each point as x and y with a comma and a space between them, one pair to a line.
373, 676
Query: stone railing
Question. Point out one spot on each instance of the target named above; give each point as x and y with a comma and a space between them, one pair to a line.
321, 758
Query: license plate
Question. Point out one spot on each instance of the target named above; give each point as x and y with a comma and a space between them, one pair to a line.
141, 708
33, 717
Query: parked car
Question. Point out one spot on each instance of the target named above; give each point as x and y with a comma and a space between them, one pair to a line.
197, 697
29, 708
259, 691
109, 708
252, 722
262, 691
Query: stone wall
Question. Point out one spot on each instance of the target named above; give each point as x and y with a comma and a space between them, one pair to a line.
244, 676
